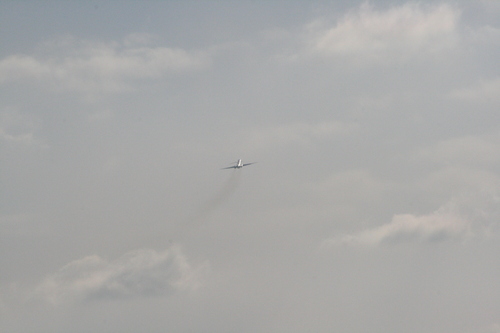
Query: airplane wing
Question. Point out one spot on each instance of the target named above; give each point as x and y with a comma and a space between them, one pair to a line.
248, 163
231, 167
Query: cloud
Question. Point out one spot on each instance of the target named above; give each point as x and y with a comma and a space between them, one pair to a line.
25, 138
18, 67
349, 188
18, 129
444, 224
299, 133
98, 67
467, 150
484, 91
470, 215
495, 328
464, 166
138, 273
396, 33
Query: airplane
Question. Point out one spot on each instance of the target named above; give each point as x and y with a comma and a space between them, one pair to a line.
238, 165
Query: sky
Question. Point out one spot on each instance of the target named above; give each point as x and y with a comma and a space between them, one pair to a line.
374, 204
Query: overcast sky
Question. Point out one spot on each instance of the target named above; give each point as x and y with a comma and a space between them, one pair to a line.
374, 204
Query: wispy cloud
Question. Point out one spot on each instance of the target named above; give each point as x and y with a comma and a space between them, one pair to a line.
440, 225
18, 129
472, 215
25, 138
398, 32
139, 273
85, 66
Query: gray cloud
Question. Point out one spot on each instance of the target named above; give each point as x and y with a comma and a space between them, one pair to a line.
380, 116
138, 273
495, 328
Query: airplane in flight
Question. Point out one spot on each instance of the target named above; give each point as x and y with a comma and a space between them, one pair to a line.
238, 165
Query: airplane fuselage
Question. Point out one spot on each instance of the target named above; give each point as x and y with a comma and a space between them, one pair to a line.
238, 165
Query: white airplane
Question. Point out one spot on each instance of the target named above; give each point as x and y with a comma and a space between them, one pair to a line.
238, 165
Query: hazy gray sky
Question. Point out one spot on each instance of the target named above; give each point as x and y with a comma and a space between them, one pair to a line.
374, 205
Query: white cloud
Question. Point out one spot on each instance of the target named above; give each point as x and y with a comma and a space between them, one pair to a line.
139, 273
442, 224
18, 67
96, 67
395, 33
471, 215
299, 133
